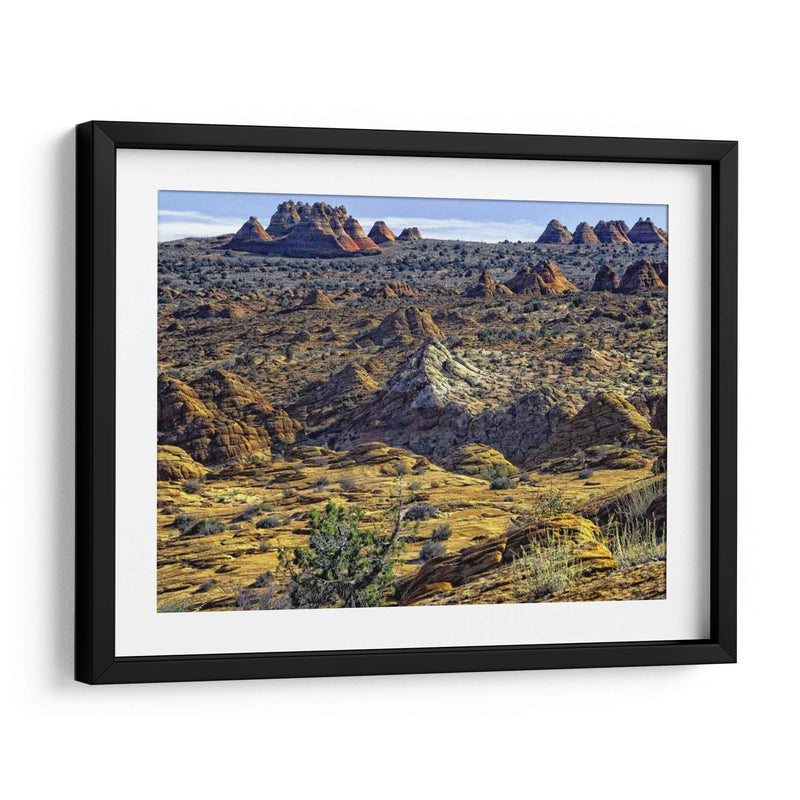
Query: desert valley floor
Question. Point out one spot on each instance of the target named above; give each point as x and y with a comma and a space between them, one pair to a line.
514, 392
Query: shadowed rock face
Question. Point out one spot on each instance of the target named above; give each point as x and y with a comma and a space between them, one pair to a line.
646, 232
543, 279
380, 233
403, 327
555, 233
486, 287
356, 233
584, 234
611, 232
605, 280
409, 235
251, 231
284, 219
641, 277
321, 402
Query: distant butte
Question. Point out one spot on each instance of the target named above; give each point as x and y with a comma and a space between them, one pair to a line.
303, 230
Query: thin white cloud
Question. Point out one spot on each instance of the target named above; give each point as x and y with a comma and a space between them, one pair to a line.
466, 229
182, 224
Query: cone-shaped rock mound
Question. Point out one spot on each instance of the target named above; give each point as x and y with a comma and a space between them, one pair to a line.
613, 232
584, 234
251, 232
403, 327
646, 232
543, 279
381, 234
555, 233
409, 235
642, 276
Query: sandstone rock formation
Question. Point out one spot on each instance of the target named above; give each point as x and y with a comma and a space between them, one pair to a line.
555, 233
543, 279
584, 234
486, 287
322, 402
607, 419
356, 233
605, 280
583, 537
175, 464
380, 233
392, 289
284, 219
612, 232
426, 406
230, 395
646, 232
409, 235
316, 298
251, 232
185, 420
476, 459
641, 276
403, 327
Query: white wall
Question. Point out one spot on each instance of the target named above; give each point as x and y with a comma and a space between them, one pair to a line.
679, 69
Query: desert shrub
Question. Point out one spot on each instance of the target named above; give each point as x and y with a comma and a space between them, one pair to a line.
268, 522
415, 486
205, 527
170, 509
550, 504
173, 606
204, 587
320, 484
422, 511
441, 533
249, 512
502, 482
633, 506
348, 484
183, 522
345, 564
400, 468
431, 550
544, 569
586, 473
244, 599
193, 486
636, 542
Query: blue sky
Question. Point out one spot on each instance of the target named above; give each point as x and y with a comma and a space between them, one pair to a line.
182, 214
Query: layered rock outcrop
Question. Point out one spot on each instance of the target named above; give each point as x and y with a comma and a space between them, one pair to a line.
251, 232
381, 234
584, 234
409, 235
645, 231
392, 289
545, 278
186, 421
175, 464
354, 230
641, 276
579, 540
612, 232
403, 327
607, 419
555, 233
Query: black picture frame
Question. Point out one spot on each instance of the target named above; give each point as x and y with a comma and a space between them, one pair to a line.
97, 146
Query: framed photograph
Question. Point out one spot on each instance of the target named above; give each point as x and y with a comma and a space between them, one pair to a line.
356, 402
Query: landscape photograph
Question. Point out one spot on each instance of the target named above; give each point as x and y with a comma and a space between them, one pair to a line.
399, 401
